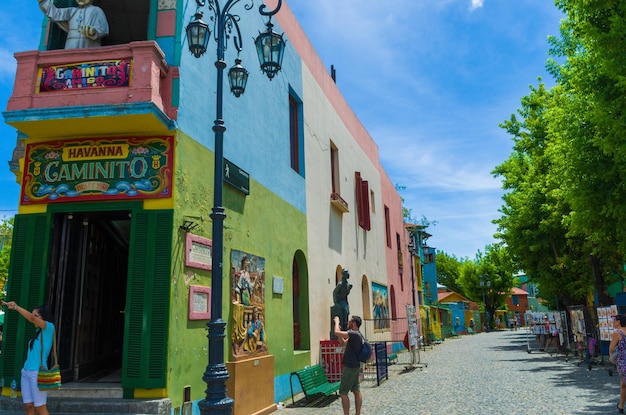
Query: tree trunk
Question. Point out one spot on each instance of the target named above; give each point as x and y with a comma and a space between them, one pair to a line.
598, 282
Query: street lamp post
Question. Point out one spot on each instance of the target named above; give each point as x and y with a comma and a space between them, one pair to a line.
482, 287
270, 47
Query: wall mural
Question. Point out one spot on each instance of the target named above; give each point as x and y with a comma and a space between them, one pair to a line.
380, 299
248, 302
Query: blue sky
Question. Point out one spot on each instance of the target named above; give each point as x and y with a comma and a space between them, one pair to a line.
430, 80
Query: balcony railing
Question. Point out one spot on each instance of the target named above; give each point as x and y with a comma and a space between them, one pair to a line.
122, 80
338, 202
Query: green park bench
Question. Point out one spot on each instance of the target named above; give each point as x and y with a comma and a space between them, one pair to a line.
314, 382
392, 358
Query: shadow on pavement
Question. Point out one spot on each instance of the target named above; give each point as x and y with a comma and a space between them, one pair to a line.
321, 402
570, 371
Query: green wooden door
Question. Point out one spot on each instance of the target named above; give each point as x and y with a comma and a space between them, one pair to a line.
148, 298
27, 279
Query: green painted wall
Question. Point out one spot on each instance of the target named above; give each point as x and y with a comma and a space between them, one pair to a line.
261, 224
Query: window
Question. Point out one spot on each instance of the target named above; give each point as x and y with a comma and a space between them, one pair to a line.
296, 148
387, 227
400, 263
128, 22
334, 168
362, 200
335, 198
399, 250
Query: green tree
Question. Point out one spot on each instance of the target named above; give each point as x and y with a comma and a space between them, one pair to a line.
449, 271
532, 225
563, 215
496, 269
6, 236
589, 126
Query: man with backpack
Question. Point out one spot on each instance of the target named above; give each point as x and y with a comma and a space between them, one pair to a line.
353, 341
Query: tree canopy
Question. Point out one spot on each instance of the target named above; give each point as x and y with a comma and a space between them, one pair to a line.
563, 214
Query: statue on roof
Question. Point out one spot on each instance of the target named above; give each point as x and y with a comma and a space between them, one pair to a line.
85, 25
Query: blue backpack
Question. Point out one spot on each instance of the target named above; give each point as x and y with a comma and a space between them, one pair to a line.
366, 351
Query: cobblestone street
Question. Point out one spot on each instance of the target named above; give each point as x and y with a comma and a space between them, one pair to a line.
487, 374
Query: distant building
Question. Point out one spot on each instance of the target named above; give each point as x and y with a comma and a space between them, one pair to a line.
517, 303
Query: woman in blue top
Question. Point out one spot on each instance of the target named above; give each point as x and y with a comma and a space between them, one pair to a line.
34, 399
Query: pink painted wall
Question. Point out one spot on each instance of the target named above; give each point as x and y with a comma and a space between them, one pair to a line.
151, 78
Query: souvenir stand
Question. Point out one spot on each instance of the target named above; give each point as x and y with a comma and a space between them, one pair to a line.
536, 331
545, 326
585, 336
605, 324
559, 330
412, 339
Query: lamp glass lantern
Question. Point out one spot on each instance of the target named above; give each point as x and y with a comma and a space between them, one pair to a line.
198, 34
237, 78
270, 47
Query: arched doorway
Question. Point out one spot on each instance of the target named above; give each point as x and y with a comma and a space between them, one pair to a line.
366, 296
300, 291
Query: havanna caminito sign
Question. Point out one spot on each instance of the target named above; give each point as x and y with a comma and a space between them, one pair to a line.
98, 169
98, 74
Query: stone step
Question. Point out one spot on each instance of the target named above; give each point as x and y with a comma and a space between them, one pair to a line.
88, 390
92, 406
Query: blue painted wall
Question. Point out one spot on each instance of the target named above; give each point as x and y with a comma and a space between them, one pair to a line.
429, 275
257, 123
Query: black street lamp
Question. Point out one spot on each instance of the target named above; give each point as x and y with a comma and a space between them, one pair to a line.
270, 47
482, 287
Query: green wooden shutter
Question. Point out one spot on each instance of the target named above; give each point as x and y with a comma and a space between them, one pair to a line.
26, 286
147, 301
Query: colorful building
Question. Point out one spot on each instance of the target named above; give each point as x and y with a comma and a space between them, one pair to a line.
517, 304
115, 158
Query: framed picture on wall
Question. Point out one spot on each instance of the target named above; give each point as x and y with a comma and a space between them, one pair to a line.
198, 252
199, 302
380, 310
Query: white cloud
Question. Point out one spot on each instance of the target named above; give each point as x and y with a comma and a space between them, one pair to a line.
477, 4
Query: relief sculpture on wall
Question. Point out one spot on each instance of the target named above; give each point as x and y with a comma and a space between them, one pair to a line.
248, 305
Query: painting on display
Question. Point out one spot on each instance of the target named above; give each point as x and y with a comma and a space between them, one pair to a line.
248, 303
380, 299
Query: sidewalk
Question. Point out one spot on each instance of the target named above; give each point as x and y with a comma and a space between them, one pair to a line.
486, 374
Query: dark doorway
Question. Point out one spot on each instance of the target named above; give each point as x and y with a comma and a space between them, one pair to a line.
88, 275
